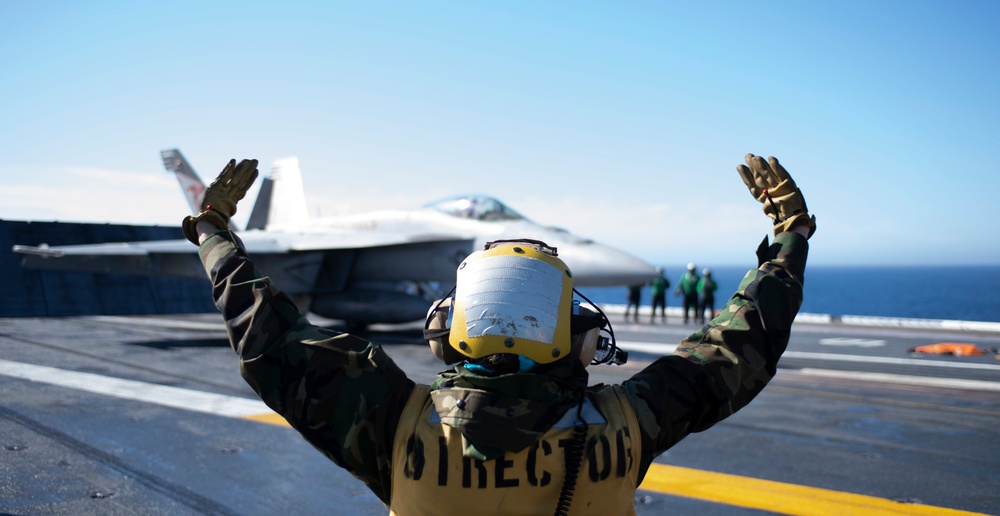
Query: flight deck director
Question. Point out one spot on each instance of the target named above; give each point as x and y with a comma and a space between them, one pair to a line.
511, 427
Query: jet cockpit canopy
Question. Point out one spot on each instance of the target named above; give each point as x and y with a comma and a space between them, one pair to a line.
476, 207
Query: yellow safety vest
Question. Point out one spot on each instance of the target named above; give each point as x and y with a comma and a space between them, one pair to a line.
430, 476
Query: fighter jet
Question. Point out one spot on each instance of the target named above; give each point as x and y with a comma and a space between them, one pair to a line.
379, 267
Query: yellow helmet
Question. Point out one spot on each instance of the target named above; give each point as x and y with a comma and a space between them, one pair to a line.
513, 297
516, 297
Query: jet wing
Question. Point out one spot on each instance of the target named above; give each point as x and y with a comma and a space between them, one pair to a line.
271, 241
155, 258
179, 258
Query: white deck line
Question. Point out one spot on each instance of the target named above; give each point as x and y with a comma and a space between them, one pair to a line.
856, 320
176, 397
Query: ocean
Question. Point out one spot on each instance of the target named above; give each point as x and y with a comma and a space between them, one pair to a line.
963, 293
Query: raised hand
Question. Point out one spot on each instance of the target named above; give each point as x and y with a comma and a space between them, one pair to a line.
771, 184
219, 204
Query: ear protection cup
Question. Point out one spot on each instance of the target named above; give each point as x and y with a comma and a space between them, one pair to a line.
586, 326
590, 345
436, 330
585, 345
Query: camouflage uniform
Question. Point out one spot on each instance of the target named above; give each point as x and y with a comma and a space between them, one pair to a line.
345, 395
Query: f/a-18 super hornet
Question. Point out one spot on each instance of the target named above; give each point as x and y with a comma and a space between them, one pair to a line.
383, 266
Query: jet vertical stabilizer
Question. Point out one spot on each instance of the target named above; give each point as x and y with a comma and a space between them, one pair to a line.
191, 184
262, 207
288, 197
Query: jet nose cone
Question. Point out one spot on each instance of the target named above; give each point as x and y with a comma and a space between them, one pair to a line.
597, 265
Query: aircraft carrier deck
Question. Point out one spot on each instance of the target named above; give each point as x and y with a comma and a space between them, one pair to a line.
139, 415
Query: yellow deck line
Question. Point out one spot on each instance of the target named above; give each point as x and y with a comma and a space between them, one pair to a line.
270, 418
777, 497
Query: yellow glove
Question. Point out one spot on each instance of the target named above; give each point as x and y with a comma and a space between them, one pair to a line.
770, 184
219, 204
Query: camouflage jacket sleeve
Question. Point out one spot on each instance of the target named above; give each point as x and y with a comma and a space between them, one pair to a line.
721, 367
342, 393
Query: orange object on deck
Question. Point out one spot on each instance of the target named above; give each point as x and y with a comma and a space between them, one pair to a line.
950, 348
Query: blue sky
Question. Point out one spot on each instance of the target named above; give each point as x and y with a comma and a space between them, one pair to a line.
621, 121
